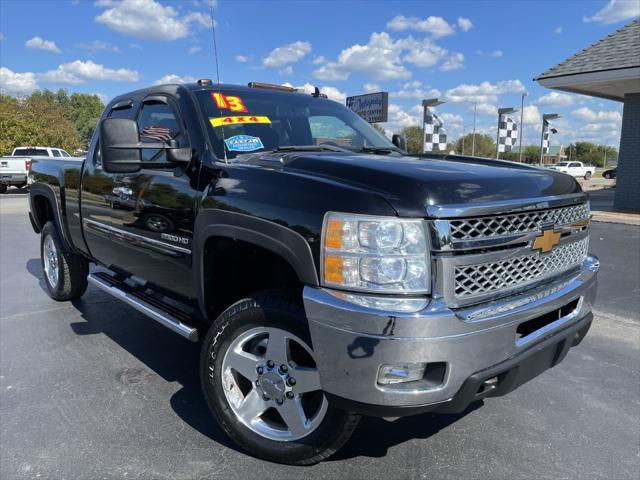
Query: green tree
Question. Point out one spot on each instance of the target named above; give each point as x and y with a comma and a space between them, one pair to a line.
35, 120
413, 136
484, 145
49, 119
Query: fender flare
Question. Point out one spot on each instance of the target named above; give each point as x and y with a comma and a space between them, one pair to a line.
284, 242
46, 191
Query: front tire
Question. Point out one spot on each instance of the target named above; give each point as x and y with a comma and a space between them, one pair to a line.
3, 188
248, 358
65, 273
587, 175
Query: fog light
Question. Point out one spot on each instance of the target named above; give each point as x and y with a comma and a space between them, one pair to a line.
402, 373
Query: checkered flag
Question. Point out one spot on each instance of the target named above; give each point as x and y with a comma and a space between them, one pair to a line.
435, 136
545, 137
507, 134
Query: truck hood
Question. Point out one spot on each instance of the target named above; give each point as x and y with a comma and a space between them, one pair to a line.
410, 184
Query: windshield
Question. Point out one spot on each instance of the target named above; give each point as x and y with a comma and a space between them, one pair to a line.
241, 121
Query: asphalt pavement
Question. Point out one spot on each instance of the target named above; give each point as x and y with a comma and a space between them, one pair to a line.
93, 389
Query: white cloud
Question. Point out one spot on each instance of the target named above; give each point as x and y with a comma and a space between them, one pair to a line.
423, 53
291, 53
38, 43
2, 36
319, 60
97, 45
288, 70
399, 118
242, 58
173, 78
451, 118
557, 30
135, 46
487, 109
483, 93
149, 19
436, 26
379, 59
464, 24
14, 83
615, 11
371, 87
556, 99
194, 49
497, 54
587, 115
331, 92
453, 62
75, 73
531, 115
416, 89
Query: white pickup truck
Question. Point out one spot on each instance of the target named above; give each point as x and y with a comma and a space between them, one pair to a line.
14, 168
575, 169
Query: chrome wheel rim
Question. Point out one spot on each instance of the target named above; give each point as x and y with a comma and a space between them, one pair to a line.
50, 257
272, 384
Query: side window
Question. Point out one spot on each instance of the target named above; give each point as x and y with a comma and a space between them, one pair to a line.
56, 153
158, 122
64, 153
574, 164
333, 131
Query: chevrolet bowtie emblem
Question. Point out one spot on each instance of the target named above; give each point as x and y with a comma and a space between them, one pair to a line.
546, 241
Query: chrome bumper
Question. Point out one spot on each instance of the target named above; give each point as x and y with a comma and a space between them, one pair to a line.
351, 341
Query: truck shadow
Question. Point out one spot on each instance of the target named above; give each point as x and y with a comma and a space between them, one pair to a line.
177, 360
375, 436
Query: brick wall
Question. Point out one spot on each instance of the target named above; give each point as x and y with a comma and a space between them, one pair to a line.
627, 195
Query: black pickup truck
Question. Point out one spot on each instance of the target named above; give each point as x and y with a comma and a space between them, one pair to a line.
326, 273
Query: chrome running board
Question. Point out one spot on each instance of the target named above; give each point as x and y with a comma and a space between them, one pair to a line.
163, 313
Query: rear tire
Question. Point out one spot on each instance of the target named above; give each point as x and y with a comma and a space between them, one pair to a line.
587, 175
65, 272
267, 434
3, 188
607, 176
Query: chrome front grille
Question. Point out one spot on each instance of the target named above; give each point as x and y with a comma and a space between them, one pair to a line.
486, 251
516, 223
513, 272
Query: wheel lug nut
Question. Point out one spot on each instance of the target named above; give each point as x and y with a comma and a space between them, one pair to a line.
291, 381
283, 368
289, 395
260, 370
270, 364
279, 401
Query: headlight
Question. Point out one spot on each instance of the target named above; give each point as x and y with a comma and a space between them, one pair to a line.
376, 254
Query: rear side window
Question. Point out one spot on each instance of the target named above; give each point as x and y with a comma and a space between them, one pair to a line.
26, 152
574, 164
64, 153
56, 153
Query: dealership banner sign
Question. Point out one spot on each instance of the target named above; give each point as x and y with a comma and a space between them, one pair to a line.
373, 107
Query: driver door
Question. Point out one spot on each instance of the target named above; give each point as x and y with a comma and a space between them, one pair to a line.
154, 209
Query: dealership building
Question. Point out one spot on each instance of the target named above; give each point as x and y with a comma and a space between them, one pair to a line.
610, 69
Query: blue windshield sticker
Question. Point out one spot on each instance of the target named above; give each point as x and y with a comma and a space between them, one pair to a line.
244, 143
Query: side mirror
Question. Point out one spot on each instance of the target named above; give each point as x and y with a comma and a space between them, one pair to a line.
121, 148
119, 145
399, 141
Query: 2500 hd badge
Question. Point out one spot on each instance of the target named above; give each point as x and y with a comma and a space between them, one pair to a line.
325, 272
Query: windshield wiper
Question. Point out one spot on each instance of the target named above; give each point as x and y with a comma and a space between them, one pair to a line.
380, 150
311, 148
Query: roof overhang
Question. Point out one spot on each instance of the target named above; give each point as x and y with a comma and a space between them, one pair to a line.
609, 84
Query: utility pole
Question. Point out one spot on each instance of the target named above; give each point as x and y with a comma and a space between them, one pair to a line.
524, 94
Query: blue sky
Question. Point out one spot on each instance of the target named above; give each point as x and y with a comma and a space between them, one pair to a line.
459, 51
